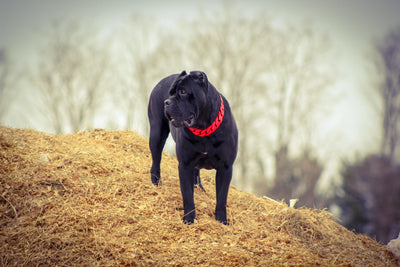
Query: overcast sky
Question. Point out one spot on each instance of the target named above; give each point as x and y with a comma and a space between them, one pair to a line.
351, 21
352, 25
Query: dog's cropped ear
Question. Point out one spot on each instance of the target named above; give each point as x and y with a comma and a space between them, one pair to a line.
200, 78
178, 80
183, 73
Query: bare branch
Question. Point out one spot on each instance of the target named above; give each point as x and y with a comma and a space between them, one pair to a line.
70, 76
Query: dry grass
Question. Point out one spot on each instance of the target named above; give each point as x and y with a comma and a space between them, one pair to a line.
87, 199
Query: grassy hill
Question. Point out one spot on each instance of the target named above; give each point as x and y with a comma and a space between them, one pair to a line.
86, 199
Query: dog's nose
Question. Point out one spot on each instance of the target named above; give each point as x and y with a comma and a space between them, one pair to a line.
167, 102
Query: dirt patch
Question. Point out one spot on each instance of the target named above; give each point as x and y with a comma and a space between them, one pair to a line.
86, 199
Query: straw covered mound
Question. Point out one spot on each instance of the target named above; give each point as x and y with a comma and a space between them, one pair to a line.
86, 199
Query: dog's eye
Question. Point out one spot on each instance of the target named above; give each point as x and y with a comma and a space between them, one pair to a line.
182, 92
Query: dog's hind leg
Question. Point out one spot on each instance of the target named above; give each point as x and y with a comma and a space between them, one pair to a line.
197, 180
159, 131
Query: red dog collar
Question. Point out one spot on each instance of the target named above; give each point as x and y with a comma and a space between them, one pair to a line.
214, 126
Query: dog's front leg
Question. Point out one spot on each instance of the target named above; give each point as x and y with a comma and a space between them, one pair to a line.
186, 180
158, 135
223, 179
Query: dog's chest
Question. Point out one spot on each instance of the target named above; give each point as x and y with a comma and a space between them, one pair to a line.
206, 161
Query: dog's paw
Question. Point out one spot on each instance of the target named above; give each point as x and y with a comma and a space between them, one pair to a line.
188, 222
222, 219
155, 180
189, 218
224, 222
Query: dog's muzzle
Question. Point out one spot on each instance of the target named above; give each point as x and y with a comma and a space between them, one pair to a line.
175, 121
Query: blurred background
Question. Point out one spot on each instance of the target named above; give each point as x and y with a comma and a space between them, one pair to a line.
314, 86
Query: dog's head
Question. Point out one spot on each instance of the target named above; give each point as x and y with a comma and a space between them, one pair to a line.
187, 97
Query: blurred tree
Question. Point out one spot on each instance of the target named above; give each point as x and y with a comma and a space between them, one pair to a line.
5, 99
389, 92
301, 84
70, 76
272, 77
370, 198
233, 49
297, 178
370, 194
146, 59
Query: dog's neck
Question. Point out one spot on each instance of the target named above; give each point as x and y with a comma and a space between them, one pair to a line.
210, 121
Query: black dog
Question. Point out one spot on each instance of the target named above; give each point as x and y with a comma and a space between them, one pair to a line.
204, 130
